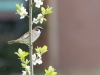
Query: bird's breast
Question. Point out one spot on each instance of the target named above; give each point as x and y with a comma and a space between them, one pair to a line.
35, 37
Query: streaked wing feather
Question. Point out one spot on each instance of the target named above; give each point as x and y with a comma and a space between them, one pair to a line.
26, 35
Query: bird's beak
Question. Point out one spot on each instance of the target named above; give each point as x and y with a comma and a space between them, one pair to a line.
42, 29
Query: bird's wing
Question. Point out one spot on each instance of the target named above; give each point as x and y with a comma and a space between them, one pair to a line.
26, 35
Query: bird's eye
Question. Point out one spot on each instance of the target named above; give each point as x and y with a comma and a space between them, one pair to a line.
37, 29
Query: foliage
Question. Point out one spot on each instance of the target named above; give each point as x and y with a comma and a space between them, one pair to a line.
37, 56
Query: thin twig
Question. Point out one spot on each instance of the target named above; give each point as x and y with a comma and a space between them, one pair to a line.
27, 16
30, 40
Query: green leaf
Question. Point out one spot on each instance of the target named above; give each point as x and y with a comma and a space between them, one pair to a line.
43, 10
44, 19
22, 5
48, 10
41, 50
44, 49
50, 71
21, 54
18, 11
27, 61
38, 49
18, 6
16, 53
23, 65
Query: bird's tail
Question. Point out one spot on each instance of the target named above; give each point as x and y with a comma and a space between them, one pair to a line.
12, 41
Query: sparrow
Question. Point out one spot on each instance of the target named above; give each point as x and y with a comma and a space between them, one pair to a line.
25, 38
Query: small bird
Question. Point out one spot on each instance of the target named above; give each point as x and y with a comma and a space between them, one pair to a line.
25, 38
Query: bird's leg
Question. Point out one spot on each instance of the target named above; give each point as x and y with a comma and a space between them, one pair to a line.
29, 46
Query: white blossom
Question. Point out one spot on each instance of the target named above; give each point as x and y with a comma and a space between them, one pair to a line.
38, 3
35, 20
34, 59
34, 56
39, 55
25, 0
28, 68
23, 12
40, 17
37, 59
24, 73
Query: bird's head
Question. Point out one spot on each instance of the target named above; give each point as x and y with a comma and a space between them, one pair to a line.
38, 29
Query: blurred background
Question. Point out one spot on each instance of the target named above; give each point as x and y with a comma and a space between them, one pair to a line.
72, 34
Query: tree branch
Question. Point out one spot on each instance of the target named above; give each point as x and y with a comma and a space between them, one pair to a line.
30, 40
